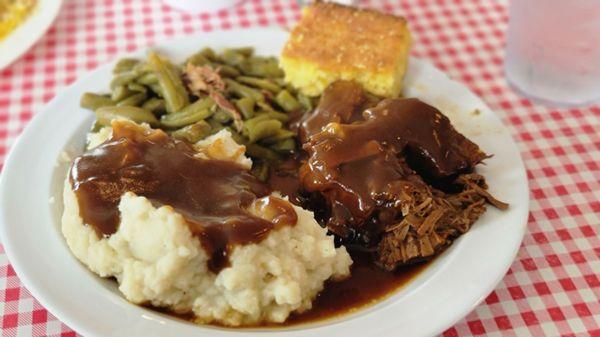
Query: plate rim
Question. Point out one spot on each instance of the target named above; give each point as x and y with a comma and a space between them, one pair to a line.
38, 118
29, 32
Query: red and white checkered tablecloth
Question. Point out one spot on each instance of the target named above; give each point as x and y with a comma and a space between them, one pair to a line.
553, 286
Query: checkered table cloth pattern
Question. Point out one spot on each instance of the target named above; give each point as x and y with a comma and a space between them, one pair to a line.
553, 286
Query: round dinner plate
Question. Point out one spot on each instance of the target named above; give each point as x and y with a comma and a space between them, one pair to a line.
451, 286
29, 31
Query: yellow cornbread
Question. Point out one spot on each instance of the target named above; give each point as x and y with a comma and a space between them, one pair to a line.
333, 42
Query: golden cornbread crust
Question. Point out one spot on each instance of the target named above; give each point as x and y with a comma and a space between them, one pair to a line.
332, 38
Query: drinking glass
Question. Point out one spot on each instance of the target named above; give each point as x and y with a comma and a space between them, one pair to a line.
553, 50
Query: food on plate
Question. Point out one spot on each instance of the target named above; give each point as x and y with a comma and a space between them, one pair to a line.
187, 227
217, 190
13, 13
233, 90
333, 42
371, 168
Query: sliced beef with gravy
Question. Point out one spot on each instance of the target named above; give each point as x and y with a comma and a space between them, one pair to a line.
374, 170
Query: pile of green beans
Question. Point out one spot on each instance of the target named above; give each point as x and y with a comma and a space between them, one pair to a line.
154, 91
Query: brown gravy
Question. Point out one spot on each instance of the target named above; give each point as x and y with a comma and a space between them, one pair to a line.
367, 285
362, 162
215, 197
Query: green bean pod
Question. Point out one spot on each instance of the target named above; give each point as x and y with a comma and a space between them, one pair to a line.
133, 100
93, 101
246, 51
246, 107
124, 65
195, 112
280, 116
221, 116
142, 68
285, 146
241, 90
259, 151
263, 129
232, 58
121, 92
173, 90
123, 79
156, 105
286, 101
157, 89
281, 135
147, 79
305, 101
198, 60
227, 71
209, 53
105, 115
260, 67
194, 132
137, 87
261, 83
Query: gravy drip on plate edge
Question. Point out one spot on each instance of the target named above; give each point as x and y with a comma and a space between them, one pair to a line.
214, 196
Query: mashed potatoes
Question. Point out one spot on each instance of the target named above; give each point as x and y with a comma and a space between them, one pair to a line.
157, 260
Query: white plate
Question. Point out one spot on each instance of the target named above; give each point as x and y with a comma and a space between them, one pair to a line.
28, 32
446, 291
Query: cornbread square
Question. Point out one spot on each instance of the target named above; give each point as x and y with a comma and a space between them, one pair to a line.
333, 42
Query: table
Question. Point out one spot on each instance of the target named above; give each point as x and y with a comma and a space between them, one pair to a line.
553, 286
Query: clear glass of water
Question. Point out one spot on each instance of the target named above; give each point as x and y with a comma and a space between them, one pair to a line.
553, 50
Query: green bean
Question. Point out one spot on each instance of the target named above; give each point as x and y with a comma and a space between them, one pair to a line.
227, 71
246, 106
173, 90
124, 65
253, 121
137, 87
157, 89
198, 60
285, 100
282, 134
246, 51
197, 111
260, 169
280, 116
221, 116
122, 79
232, 58
241, 90
93, 101
133, 100
121, 92
263, 130
215, 126
106, 114
142, 68
156, 105
242, 140
305, 101
261, 83
285, 146
259, 151
209, 53
147, 79
260, 67
194, 132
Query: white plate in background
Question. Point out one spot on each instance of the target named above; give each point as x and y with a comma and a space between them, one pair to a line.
17, 42
453, 284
